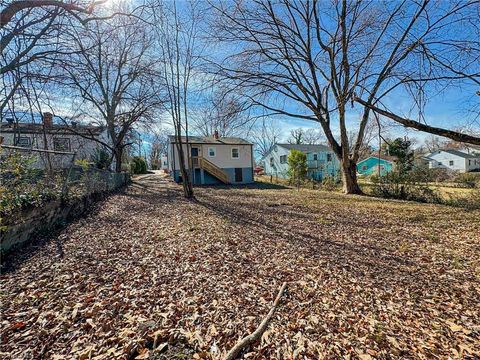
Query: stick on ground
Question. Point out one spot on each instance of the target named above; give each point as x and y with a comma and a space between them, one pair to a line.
255, 336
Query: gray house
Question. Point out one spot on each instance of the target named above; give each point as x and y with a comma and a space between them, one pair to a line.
321, 160
19, 131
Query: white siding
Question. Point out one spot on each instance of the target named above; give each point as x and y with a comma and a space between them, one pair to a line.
446, 160
223, 155
273, 157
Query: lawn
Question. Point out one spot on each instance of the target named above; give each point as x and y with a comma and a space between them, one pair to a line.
366, 278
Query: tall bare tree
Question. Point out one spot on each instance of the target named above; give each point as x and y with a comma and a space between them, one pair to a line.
313, 59
32, 37
111, 71
222, 111
178, 44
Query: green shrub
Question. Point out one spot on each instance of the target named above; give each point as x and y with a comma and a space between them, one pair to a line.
23, 186
101, 158
138, 165
297, 167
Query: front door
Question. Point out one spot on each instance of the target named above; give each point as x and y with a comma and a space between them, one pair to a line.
194, 156
238, 175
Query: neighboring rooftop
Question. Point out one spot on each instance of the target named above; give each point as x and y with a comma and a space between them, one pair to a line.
212, 140
30, 128
383, 157
305, 148
455, 152
33, 123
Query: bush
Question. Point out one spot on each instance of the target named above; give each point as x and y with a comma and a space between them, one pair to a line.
138, 165
331, 183
395, 185
297, 167
23, 186
101, 158
468, 180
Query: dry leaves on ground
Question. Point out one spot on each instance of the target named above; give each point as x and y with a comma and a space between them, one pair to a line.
149, 270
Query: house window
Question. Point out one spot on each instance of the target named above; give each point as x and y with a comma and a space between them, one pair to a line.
329, 157
235, 153
61, 144
364, 167
23, 141
315, 157
212, 151
469, 162
271, 161
451, 163
283, 159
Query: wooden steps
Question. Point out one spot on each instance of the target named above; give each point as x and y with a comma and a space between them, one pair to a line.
213, 169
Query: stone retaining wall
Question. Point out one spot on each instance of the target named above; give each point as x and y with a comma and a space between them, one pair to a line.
21, 227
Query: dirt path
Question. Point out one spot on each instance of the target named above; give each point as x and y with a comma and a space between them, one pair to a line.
367, 278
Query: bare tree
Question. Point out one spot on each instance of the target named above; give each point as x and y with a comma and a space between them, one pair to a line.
32, 37
178, 43
290, 60
264, 136
305, 136
222, 111
296, 136
111, 71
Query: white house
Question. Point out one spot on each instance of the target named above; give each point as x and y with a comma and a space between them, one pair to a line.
62, 138
455, 160
321, 160
212, 159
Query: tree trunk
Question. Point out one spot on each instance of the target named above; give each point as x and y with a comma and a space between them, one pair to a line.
187, 184
118, 160
349, 177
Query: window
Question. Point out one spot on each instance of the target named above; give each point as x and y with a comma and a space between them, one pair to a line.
283, 159
23, 141
329, 157
235, 153
469, 162
315, 157
212, 151
61, 144
451, 163
364, 167
271, 161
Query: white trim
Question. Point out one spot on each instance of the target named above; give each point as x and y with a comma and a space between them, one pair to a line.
238, 153
214, 151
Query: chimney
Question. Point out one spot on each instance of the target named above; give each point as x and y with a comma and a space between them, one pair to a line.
215, 134
47, 119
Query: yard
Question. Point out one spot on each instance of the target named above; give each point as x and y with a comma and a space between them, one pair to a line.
366, 278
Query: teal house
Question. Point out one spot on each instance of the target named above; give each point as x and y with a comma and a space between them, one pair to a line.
374, 165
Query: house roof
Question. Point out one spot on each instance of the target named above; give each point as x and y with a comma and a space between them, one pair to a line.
212, 140
390, 159
461, 154
31, 128
305, 147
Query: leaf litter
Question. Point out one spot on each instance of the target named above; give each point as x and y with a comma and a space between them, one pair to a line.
149, 275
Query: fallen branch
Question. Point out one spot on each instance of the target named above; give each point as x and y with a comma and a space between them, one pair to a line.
255, 336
